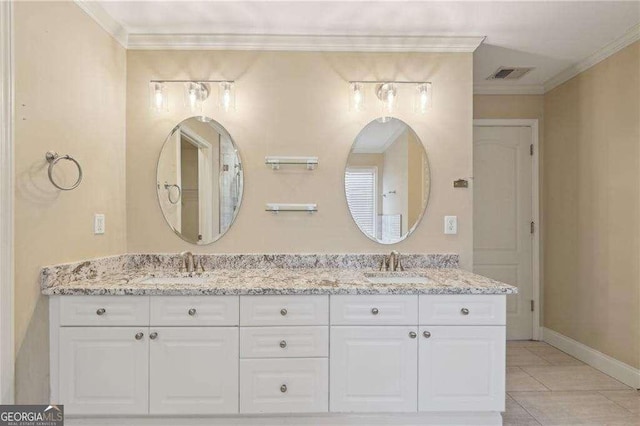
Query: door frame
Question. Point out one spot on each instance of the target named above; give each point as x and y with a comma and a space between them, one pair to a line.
7, 345
535, 206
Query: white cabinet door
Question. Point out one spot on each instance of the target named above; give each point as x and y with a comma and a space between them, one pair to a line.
104, 370
193, 370
373, 369
461, 368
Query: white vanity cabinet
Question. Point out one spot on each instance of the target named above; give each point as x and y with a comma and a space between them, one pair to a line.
436, 356
139, 367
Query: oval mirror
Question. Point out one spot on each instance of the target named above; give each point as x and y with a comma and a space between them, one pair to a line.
387, 180
200, 180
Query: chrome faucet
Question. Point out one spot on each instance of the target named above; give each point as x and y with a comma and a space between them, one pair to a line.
187, 262
391, 262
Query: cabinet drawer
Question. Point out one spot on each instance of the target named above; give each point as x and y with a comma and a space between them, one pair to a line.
284, 310
462, 310
283, 342
194, 310
284, 385
104, 310
374, 310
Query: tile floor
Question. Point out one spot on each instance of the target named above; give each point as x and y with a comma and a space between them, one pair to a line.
545, 386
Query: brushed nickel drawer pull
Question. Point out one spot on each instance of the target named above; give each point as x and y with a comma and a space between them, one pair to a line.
283, 388
464, 311
101, 311
192, 311
283, 344
375, 311
283, 312
426, 334
139, 336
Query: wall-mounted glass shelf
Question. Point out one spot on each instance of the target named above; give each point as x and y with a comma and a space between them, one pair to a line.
280, 207
275, 162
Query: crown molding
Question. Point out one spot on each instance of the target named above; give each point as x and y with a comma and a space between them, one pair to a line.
507, 89
303, 43
631, 36
110, 25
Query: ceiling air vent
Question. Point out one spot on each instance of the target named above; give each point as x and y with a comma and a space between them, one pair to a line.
509, 73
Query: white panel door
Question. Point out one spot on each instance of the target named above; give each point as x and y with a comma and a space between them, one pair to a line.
193, 370
502, 215
461, 368
373, 369
104, 370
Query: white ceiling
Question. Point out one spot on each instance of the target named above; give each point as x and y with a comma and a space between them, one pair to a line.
376, 137
551, 36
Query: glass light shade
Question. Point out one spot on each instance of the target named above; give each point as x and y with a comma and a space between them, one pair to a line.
423, 98
227, 96
356, 97
195, 94
388, 94
158, 97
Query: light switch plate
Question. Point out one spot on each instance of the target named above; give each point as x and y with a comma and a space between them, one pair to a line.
451, 224
98, 224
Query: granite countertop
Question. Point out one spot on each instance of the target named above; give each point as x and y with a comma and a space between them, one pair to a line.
125, 275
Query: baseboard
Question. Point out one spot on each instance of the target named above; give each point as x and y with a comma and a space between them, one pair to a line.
401, 419
608, 365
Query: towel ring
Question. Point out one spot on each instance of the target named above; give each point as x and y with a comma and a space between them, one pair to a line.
53, 158
168, 188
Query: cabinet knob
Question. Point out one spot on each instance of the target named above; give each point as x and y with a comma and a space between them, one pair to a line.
101, 311
464, 311
375, 311
283, 388
283, 312
153, 336
413, 334
192, 311
283, 344
139, 336
426, 334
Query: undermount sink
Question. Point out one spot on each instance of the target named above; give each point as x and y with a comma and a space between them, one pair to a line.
175, 280
397, 279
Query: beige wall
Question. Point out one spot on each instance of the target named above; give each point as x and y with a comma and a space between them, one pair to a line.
70, 97
592, 199
297, 104
508, 106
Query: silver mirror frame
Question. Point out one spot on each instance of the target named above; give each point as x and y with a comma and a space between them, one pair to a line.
426, 202
223, 131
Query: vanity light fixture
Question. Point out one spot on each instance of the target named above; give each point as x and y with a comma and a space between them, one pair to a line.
195, 93
158, 98
388, 93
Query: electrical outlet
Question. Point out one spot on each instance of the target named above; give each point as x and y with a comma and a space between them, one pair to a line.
98, 224
451, 224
